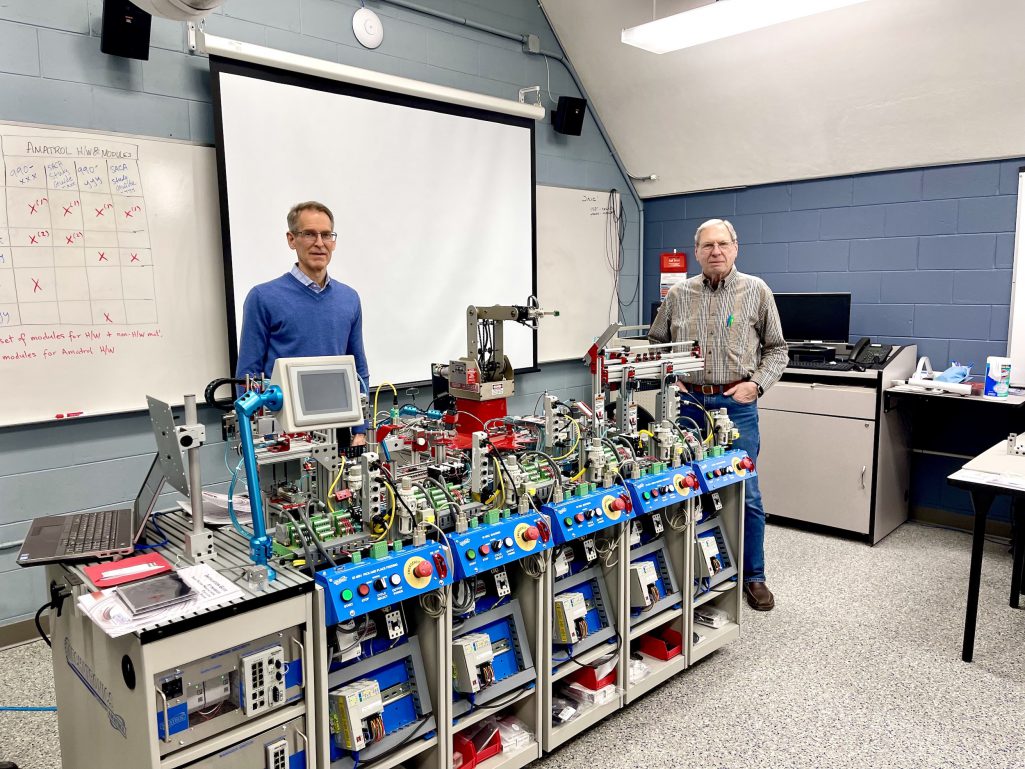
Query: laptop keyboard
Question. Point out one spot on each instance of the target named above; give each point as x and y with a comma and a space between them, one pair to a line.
90, 532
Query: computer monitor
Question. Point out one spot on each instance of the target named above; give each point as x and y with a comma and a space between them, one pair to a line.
319, 393
823, 317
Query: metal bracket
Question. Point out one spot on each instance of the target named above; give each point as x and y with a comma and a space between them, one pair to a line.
190, 28
534, 89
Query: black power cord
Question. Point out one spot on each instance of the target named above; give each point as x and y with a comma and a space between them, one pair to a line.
58, 594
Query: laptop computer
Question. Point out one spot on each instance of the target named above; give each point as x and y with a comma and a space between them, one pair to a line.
95, 534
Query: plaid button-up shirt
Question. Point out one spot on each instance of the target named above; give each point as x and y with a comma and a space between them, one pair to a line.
736, 324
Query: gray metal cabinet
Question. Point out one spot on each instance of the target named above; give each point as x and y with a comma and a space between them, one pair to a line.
830, 454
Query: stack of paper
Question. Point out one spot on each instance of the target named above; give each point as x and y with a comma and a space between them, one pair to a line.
115, 619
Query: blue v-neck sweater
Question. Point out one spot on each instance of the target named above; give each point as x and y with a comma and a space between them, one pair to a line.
284, 319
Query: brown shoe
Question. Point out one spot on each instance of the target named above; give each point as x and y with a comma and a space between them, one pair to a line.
759, 597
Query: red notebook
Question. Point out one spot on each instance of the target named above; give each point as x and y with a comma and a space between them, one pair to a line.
110, 573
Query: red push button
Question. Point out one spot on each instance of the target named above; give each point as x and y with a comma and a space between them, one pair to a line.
531, 534
484, 549
423, 569
580, 517
363, 589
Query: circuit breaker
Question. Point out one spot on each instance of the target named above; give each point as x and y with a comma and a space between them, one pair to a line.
472, 656
570, 617
643, 585
356, 712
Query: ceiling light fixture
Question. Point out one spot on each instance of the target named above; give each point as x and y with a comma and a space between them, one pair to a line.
721, 19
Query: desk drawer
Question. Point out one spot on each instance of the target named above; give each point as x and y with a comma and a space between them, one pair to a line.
818, 398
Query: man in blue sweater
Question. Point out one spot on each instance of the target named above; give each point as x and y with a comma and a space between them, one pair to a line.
304, 313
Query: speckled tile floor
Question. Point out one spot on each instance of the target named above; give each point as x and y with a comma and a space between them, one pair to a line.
858, 666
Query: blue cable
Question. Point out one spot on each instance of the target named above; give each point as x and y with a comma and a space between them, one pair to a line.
29, 709
231, 502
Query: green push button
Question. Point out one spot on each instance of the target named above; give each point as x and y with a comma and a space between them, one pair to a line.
568, 520
471, 555
346, 595
647, 495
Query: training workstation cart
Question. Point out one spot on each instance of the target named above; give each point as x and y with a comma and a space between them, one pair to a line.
226, 687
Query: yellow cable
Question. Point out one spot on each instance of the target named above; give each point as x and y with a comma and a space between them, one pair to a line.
387, 528
646, 432
378, 392
576, 442
501, 480
708, 417
331, 491
577, 476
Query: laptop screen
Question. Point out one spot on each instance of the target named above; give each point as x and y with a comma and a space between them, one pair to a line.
147, 497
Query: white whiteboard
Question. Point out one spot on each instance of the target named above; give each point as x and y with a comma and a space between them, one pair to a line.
110, 273
575, 246
433, 210
1016, 327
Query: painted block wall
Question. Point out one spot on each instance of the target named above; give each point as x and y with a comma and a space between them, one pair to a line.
53, 73
926, 253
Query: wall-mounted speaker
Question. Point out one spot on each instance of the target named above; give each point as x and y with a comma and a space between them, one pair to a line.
568, 117
124, 30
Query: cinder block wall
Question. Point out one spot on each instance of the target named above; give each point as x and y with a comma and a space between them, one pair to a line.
926, 253
53, 73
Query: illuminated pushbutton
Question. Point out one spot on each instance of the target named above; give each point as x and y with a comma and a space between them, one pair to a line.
485, 549
655, 492
568, 521
363, 590
346, 595
395, 579
580, 517
646, 495
508, 542
471, 555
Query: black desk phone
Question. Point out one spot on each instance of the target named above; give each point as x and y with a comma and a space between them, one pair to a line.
865, 353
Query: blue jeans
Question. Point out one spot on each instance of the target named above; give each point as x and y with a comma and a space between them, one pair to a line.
745, 417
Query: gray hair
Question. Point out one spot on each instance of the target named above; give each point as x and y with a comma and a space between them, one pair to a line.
714, 223
309, 205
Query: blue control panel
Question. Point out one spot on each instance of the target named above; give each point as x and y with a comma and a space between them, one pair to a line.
658, 490
491, 545
354, 589
577, 517
715, 473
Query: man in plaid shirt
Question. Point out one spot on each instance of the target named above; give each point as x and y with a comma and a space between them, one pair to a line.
733, 318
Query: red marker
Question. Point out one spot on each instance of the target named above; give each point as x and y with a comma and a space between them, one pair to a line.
69, 415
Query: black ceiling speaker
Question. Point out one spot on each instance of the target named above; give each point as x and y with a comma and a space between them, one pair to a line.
124, 30
568, 117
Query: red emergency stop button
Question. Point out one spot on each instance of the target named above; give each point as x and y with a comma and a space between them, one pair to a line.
618, 504
531, 534
747, 463
423, 569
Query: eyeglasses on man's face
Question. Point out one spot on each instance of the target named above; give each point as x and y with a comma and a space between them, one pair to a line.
310, 236
722, 245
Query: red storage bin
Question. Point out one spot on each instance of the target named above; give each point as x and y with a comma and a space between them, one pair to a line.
662, 643
588, 677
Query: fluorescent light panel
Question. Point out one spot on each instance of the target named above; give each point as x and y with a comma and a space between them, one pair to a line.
722, 19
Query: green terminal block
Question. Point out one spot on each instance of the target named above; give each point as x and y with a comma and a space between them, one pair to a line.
717, 451
378, 549
474, 522
580, 491
507, 513
396, 545
491, 516
356, 557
